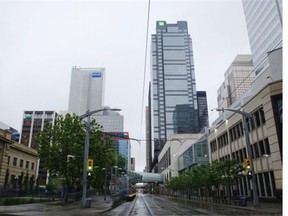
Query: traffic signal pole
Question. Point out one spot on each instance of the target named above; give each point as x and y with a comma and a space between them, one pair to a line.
86, 149
249, 151
86, 153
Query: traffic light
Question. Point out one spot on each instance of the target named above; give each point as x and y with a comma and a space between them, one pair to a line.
248, 166
89, 166
89, 176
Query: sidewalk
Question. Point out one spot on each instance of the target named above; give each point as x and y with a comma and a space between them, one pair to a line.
263, 209
98, 205
271, 208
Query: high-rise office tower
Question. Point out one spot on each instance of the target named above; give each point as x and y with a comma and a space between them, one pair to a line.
202, 109
265, 26
33, 124
148, 140
121, 143
174, 106
238, 79
86, 90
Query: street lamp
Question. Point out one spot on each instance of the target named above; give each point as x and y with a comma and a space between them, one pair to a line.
105, 180
86, 149
249, 150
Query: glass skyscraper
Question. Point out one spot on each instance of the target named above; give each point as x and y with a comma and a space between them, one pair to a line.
121, 143
265, 26
174, 103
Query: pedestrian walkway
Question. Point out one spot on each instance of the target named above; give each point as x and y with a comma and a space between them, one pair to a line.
272, 208
264, 208
98, 205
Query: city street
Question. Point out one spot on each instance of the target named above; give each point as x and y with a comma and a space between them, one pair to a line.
146, 204
142, 205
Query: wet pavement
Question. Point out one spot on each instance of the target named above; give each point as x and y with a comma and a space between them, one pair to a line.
159, 205
58, 208
146, 205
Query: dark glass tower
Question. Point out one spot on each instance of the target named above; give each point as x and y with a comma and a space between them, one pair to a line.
174, 97
202, 109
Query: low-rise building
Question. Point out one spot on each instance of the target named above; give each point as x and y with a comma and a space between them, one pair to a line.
227, 138
15, 158
172, 150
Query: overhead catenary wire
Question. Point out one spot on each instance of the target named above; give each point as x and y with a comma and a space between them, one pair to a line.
145, 64
145, 68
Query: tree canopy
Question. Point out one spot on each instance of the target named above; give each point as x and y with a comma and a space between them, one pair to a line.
61, 148
224, 173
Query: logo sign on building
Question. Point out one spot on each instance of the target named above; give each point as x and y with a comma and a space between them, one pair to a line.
161, 23
27, 116
96, 74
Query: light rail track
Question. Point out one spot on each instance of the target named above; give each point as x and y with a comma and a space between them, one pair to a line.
141, 208
171, 209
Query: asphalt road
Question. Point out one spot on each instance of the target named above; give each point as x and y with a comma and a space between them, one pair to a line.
146, 204
142, 205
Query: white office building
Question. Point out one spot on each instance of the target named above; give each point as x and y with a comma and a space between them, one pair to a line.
86, 90
265, 26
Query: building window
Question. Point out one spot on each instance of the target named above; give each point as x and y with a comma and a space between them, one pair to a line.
8, 160
267, 146
32, 166
27, 164
21, 163
262, 115
14, 161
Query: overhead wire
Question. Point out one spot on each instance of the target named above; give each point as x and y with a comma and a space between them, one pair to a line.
264, 59
145, 64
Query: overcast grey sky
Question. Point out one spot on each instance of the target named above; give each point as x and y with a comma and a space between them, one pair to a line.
40, 42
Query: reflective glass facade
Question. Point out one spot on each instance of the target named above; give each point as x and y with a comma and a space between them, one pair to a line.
202, 109
264, 25
174, 97
121, 143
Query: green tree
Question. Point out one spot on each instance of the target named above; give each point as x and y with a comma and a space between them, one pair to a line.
215, 175
196, 179
56, 142
231, 171
51, 186
218, 173
61, 147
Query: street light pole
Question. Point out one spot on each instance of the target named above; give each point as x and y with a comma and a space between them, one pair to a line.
249, 150
86, 153
105, 180
86, 149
